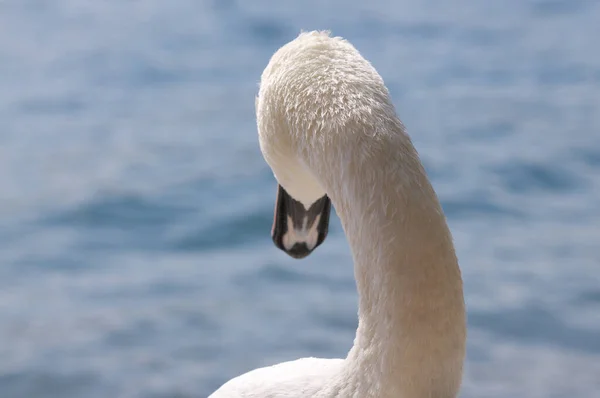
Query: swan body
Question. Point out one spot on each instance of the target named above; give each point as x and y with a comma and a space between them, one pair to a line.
328, 130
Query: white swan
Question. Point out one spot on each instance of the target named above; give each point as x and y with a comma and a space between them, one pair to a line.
328, 129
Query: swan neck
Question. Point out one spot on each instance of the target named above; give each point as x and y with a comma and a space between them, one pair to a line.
411, 336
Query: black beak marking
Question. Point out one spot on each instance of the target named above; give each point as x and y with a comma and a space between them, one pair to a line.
297, 230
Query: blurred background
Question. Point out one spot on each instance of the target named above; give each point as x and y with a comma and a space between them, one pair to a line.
135, 206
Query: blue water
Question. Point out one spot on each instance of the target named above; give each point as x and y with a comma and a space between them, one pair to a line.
135, 207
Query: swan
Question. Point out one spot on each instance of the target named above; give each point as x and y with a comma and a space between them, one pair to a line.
329, 132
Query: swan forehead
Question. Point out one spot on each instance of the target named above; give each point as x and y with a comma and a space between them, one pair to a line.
291, 173
296, 179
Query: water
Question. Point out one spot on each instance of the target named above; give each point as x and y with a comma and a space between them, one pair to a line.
135, 207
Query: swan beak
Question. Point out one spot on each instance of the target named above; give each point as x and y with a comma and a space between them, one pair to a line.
297, 230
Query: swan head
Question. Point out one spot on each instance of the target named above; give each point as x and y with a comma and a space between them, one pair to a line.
315, 94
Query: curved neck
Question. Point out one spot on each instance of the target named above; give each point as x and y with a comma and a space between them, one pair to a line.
411, 335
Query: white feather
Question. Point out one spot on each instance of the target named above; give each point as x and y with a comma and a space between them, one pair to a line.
327, 126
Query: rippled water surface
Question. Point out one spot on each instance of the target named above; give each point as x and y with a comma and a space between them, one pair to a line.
135, 206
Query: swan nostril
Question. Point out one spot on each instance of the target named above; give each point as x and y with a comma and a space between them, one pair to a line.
299, 250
